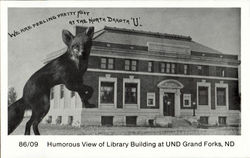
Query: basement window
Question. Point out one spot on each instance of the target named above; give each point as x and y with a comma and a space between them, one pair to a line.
70, 120
107, 120
222, 120
204, 120
131, 120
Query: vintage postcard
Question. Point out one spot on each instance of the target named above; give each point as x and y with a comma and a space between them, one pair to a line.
115, 79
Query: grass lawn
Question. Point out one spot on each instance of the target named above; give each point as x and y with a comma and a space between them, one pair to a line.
47, 129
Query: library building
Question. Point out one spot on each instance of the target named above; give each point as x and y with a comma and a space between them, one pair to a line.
140, 77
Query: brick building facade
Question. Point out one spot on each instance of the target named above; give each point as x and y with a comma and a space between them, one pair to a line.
140, 76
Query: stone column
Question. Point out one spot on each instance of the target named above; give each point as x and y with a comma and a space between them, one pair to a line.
177, 103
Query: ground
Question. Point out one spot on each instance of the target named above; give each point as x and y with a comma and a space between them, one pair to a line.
47, 129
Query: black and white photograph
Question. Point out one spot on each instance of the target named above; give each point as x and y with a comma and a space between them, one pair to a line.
124, 71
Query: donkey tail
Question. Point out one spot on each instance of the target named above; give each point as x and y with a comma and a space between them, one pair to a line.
15, 114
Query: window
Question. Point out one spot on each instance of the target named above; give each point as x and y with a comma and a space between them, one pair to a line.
52, 93
131, 120
49, 120
130, 93
61, 91
220, 71
130, 65
70, 120
185, 69
134, 65
204, 120
110, 63
103, 63
107, 93
59, 120
203, 95
199, 68
151, 99
73, 94
150, 66
222, 120
107, 63
186, 100
162, 67
127, 64
173, 68
107, 120
168, 68
221, 96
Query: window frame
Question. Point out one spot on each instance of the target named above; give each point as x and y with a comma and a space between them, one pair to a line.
107, 64
129, 66
110, 80
186, 69
222, 85
150, 95
131, 80
150, 66
204, 84
187, 97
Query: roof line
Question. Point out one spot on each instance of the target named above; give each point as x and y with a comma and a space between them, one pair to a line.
165, 35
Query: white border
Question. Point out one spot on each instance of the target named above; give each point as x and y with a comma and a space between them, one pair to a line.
9, 144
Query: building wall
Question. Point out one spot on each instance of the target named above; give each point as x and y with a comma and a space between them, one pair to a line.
149, 84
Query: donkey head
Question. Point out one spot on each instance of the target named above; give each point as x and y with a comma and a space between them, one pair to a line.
79, 46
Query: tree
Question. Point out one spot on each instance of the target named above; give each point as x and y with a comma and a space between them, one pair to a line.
12, 95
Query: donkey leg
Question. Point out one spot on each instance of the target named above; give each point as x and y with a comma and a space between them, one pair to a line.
42, 113
29, 123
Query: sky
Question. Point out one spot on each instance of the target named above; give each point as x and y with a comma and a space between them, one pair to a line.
216, 28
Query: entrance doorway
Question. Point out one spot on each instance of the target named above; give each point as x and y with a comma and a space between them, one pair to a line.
170, 96
168, 104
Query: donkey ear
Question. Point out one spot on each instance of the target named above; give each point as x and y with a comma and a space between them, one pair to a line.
90, 31
67, 37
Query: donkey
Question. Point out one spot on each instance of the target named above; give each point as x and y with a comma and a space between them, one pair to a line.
67, 69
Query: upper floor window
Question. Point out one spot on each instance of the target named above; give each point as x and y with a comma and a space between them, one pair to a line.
199, 68
168, 68
185, 68
130, 65
162, 68
173, 68
150, 66
107, 63
61, 91
220, 71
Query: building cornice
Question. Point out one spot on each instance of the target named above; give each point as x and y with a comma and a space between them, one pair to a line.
161, 74
162, 57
